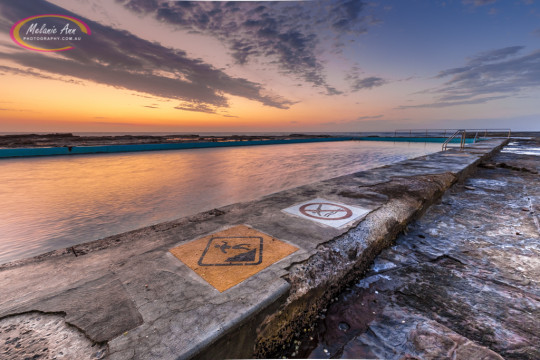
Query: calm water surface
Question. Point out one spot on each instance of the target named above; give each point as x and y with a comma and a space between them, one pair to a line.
54, 202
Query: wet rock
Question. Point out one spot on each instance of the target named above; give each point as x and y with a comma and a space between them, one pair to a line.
469, 290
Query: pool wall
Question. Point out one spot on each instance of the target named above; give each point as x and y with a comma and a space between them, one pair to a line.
79, 150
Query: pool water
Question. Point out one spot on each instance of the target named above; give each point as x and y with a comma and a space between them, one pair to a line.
49, 203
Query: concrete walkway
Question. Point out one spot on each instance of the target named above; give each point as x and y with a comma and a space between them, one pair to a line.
462, 283
178, 290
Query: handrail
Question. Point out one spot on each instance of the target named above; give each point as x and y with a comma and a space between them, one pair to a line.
462, 143
443, 132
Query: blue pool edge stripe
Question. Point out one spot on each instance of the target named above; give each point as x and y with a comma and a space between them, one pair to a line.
77, 150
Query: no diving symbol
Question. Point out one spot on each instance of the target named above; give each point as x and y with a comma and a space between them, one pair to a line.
325, 211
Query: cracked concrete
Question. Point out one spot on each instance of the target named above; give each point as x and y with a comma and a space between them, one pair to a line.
37, 335
130, 293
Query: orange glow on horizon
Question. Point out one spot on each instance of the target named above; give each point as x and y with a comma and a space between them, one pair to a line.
82, 105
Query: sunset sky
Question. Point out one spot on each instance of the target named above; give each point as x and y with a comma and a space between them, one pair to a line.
324, 66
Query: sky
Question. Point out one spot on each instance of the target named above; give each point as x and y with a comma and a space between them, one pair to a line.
274, 66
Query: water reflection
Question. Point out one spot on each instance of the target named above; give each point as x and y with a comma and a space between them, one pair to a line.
55, 202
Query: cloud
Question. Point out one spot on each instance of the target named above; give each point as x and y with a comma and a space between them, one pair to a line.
477, 3
373, 117
197, 108
120, 59
495, 55
284, 33
31, 73
23, 110
441, 104
362, 83
25, 72
482, 59
368, 83
108, 123
346, 14
488, 76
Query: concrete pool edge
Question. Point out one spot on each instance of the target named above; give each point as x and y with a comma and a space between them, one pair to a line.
108, 149
8, 153
264, 306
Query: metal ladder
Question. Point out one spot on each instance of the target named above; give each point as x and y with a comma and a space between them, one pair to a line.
463, 134
442, 133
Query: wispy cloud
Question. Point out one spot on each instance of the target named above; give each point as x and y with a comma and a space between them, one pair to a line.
25, 72
120, 59
108, 123
197, 108
368, 83
32, 73
488, 76
477, 3
359, 82
11, 109
440, 104
283, 33
495, 55
373, 117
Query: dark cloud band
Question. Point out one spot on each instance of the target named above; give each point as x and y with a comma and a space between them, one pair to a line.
120, 59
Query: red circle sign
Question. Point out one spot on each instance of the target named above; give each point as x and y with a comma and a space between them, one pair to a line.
325, 211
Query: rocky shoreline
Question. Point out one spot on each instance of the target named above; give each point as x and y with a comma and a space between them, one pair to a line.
15, 141
70, 140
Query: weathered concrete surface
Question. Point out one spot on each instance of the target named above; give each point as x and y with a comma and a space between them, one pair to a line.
462, 283
130, 293
45, 336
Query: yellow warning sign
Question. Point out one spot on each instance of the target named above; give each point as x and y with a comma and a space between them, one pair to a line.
226, 258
